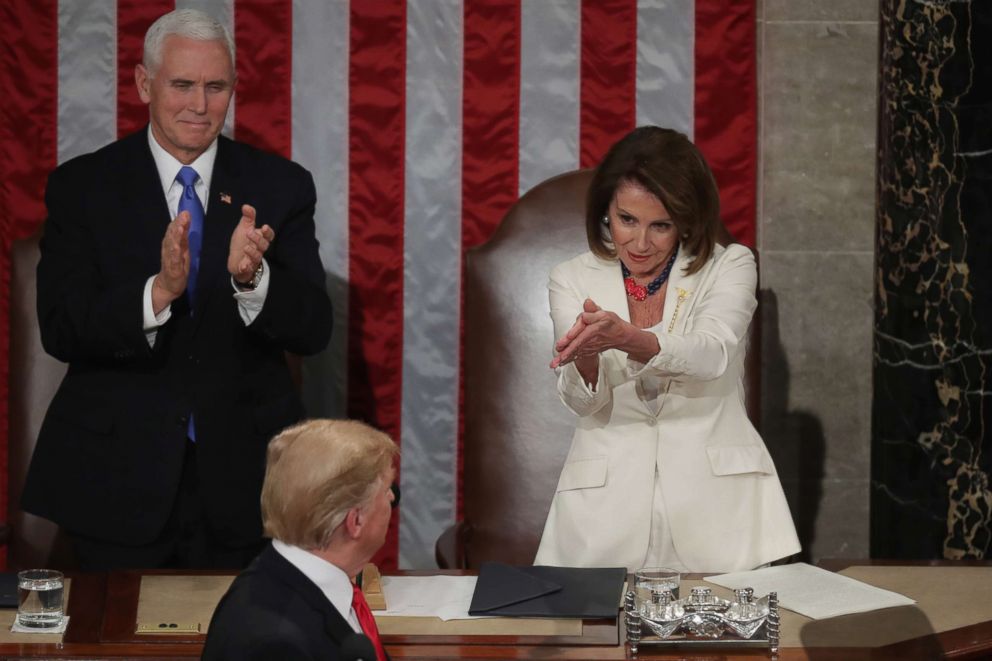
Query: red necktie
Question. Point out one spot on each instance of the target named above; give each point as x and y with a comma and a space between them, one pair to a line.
367, 621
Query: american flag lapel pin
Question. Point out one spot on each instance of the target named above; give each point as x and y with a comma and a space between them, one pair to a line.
225, 198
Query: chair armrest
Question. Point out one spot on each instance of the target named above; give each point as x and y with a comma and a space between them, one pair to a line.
451, 548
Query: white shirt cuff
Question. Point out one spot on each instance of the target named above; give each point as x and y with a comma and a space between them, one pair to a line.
250, 301
151, 322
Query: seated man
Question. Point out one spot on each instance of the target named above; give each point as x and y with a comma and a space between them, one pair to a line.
326, 504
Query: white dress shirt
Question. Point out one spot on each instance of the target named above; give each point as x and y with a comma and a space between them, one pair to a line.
330, 579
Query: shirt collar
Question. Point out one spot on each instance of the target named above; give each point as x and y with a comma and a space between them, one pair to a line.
168, 166
330, 579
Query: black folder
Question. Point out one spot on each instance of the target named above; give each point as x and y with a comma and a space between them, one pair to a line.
559, 592
8, 590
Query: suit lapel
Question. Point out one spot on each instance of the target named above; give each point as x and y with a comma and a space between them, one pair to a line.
335, 624
680, 296
223, 213
607, 290
606, 287
143, 203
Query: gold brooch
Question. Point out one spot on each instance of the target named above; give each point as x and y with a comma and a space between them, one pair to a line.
683, 294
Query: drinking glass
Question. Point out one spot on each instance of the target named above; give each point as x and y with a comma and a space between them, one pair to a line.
39, 598
650, 583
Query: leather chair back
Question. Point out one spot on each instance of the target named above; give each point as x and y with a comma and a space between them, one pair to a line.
517, 431
34, 378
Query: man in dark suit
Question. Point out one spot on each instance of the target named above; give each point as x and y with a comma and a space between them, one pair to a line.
326, 504
174, 310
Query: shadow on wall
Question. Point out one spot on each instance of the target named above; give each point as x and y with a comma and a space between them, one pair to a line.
362, 404
794, 437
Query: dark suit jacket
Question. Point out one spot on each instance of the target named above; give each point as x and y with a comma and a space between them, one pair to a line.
273, 611
110, 451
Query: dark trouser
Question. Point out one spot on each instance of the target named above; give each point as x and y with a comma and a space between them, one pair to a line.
186, 542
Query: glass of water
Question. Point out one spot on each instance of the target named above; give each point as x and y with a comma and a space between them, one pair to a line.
649, 585
39, 597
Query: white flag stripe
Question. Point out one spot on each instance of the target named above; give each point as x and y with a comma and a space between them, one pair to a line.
549, 89
432, 264
665, 64
320, 143
87, 78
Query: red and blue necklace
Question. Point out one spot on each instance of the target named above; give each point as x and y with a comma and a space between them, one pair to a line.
641, 292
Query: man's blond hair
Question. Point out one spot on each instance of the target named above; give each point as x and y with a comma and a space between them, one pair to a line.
315, 473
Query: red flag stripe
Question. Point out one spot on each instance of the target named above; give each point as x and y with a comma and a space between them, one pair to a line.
490, 138
377, 75
133, 19
490, 116
726, 108
28, 120
608, 76
263, 33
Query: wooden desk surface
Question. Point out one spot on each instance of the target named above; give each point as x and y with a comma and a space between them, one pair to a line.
103, 608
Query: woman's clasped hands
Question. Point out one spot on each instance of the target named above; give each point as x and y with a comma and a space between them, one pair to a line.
595, 330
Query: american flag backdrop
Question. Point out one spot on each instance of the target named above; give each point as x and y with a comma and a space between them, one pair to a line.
422, 121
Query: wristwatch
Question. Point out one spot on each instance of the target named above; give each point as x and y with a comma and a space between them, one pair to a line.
256, 278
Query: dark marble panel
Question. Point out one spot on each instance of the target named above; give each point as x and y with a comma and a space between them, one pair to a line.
932, 410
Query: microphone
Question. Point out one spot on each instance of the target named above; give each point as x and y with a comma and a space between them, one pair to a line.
357, 647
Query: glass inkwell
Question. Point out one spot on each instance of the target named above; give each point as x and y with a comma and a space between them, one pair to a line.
659, 617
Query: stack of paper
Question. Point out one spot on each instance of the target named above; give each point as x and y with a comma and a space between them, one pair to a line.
813, 592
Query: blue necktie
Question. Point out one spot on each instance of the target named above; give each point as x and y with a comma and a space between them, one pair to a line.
189, 201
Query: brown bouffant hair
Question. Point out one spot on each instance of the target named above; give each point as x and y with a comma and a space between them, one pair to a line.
666, 164
316, 472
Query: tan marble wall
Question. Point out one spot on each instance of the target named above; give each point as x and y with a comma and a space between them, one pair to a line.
817, 68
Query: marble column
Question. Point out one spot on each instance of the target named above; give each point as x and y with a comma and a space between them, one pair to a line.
932, 405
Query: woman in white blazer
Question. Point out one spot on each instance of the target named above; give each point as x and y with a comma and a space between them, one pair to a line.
665, 469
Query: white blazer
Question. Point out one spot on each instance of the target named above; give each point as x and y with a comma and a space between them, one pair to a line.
723, 499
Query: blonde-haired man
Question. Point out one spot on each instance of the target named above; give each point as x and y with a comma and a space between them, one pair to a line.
326, 503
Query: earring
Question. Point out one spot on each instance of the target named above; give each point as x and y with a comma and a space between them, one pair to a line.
606, 219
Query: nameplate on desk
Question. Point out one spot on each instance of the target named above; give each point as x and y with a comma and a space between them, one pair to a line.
168, 627
372, 588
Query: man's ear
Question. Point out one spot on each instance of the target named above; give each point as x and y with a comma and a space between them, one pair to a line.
143, 82
354, 521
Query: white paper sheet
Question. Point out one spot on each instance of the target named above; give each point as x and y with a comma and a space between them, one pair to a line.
813, 592
445, 597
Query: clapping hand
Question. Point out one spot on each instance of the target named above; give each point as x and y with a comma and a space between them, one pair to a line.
170, 282
595, 330
248, 244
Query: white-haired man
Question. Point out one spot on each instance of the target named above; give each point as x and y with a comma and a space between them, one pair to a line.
326, 504
174, 309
